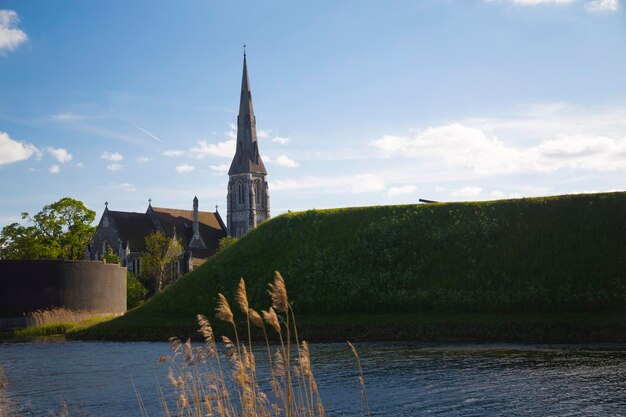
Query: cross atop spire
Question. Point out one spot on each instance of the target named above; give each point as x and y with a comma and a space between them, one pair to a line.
244, 49
149, 201
106, 204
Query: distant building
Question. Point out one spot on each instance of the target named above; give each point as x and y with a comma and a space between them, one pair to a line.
125, 233
248, 198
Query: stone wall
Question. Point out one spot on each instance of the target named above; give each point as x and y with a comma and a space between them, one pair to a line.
30, 285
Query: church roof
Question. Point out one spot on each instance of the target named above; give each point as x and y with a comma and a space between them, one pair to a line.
210, 226
247, 158
132, 228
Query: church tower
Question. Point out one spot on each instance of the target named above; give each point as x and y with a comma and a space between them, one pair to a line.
248, 199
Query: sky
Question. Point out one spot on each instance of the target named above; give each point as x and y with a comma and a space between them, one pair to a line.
357, 102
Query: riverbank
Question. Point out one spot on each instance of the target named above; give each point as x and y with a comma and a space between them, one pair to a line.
524, 328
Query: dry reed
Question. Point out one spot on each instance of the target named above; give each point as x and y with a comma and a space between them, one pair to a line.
207, 382
59, 315
5, 407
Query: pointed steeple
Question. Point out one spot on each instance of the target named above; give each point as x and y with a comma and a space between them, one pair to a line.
196, 240
247, 158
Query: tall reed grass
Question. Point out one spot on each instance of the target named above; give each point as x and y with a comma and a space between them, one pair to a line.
207, 382
59, 315
5, 405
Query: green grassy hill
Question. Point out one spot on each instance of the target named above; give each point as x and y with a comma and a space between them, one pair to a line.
529, 260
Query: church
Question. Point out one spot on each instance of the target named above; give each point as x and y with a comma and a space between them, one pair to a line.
248, 204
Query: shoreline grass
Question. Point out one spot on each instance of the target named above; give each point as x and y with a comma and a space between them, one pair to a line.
523, 328
61, 328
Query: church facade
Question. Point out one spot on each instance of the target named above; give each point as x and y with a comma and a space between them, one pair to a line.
125, 232
248, 199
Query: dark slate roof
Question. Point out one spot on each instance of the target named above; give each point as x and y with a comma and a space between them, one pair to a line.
211, 227
247, 158
133, 228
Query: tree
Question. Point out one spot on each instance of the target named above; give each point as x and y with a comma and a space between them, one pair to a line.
226, 242
60, 230
136, 293
161, 258
110, 257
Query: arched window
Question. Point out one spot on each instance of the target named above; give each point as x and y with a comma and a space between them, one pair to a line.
258, 191
240, 193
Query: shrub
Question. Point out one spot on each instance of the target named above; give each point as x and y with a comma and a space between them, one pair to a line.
136, 293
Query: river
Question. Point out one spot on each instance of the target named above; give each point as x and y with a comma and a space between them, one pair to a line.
402, 379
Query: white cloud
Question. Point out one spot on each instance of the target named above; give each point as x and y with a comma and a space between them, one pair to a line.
367, 183
143, 159
225, 149
472, 150
11, 37
262, 134
66, 117
402, 190
115, 156
60, 154
357, 184
283, 161
54, 169
280, 140
126, 186
80, 165
603, 5
497, 194
220, 169
114, 167
453, 145
172, 153
13, 151
183, 168
469, 191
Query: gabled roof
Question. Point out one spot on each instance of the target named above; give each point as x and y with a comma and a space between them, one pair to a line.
211, 227
132, 228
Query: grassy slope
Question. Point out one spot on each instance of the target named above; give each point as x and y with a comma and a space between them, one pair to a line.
456, 264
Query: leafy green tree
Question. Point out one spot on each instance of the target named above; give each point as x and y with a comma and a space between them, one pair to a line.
110, 257
226, 242
136, 293
60, 230
162, 252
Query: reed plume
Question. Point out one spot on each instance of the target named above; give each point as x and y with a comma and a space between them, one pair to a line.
222, 311
255, 318
278, 292
361, 380
242, 297
271, 318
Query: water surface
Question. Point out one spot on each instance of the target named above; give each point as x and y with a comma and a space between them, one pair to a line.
403, 379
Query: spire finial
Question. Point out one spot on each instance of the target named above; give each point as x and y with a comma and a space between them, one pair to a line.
244, 49
106, 204
149, 201
216, 208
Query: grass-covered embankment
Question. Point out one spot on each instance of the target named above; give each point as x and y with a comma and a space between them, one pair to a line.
497, 270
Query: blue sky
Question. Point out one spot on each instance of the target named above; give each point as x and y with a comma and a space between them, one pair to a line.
357, 103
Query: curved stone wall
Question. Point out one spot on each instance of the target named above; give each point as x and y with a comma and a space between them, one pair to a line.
30, 285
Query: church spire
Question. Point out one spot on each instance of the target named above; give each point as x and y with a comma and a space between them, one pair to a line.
247, 158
